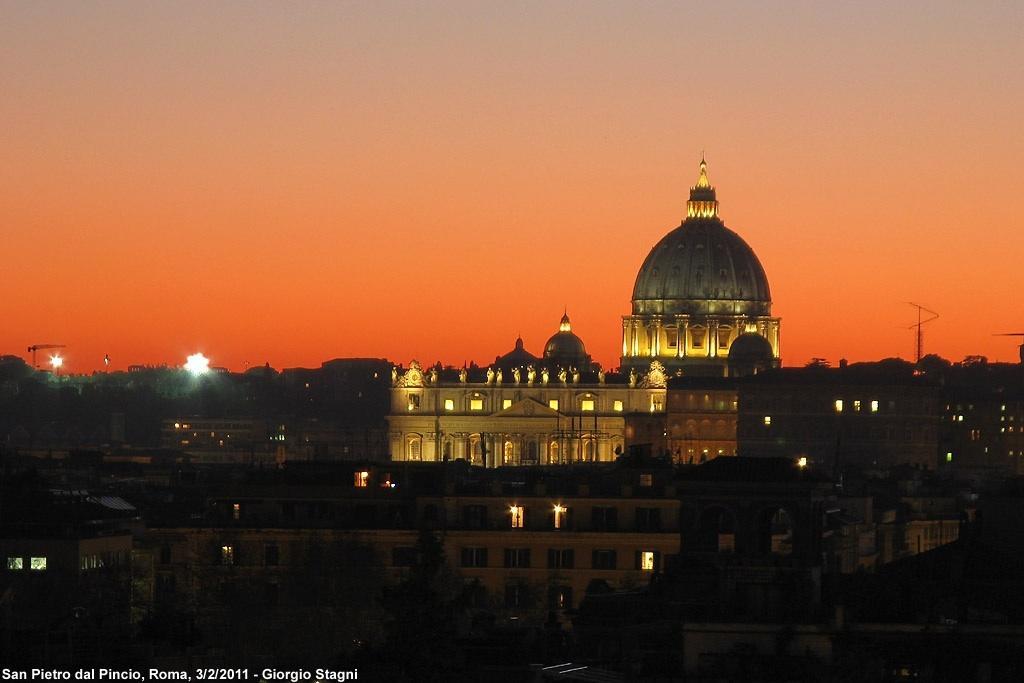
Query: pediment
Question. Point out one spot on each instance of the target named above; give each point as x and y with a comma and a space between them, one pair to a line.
528, 407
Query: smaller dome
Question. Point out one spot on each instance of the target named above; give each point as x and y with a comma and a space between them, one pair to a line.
517, 357
751, 347
565, 348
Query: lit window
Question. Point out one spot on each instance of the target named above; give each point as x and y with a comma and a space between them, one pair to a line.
37, 564
559, 516
617, 406
476, 404
767, 420
874, 406
414, 401
449, 404
856, 406
227, 555
506, 403
1003, 408
646, 479
587, 405
839, 405
236, 511
516, 513
362, 479
553, 404
657, 403
647, 561
949, 456
802, 462
15, 564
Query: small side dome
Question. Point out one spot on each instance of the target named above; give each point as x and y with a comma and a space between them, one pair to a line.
750, 354
565, 348
517, 357
750, 347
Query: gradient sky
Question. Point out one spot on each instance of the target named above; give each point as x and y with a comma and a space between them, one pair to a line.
292, 182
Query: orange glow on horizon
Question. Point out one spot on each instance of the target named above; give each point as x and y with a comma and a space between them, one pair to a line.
290, 185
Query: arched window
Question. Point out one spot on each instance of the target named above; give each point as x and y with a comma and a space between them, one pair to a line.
414, 447
475, 450
553, 454
589, 449
775, 532
508, 452
717, 531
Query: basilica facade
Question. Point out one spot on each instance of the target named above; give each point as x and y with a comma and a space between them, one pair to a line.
701, 307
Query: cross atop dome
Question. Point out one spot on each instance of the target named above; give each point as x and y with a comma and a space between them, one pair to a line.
564, 326
702, 203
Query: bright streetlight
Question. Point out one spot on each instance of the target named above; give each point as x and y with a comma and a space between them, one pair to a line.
197, 364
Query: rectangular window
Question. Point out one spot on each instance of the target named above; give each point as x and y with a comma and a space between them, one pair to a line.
553, 404
449, 404
15, 564
558, 516
646, 479
617, 406
517, 558
561, 558
874, 406
361, 479
767, 420
37, 564
271, 555
227, 555
587, 405
657, 404
560, 597
856, 406
474, 557
604, 518
647, 563
403, 556
648, 519
476, 404
414, 401
516, 595
839, 405
236, 511
604, 559
475, 516
518, 516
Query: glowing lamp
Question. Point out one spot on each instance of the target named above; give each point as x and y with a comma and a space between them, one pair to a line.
56, 362
802, 462
197, 364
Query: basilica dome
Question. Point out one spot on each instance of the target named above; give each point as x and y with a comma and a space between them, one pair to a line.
702, 267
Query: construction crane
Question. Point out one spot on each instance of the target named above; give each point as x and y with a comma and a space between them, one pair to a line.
1020, 349
920, 321
42, 347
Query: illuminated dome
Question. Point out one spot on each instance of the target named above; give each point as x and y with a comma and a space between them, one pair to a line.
565, 348
702, 266
700, 290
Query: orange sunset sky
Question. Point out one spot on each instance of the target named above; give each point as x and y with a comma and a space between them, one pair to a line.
293, 182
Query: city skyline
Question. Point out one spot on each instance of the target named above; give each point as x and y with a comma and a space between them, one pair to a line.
288, 186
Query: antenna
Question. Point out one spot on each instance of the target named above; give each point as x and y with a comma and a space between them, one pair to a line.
920, 321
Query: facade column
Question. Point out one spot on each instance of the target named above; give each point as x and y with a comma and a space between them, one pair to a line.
684, 338
626, 325
656, 346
